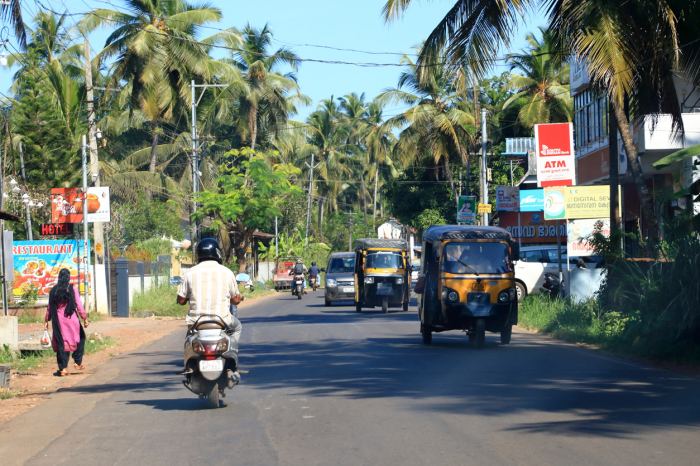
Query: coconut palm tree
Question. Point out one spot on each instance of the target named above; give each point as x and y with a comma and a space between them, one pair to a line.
158, 52
434, 122
266, 97
543, 82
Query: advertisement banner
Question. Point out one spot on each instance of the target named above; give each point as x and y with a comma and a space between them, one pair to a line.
37, 264
580, 230
532, 200
67, 205
554, 143
508, 198
466, 210
534, 229
577, 202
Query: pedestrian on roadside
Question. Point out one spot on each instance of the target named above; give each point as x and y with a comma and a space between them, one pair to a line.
68, 334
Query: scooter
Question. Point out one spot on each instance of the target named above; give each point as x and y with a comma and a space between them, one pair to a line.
211, 359
313, 283
245, 280
551, 286
298, 286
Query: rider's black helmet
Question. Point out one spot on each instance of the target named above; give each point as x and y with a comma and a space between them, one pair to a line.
208, 250
313, 263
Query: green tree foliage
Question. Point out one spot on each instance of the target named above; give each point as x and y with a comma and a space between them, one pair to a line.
145, 219
246, 199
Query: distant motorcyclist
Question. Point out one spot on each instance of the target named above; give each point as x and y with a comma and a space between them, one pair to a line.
299, 269
210, 288
314, 273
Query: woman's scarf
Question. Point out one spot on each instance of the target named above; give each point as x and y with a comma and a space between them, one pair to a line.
53, 312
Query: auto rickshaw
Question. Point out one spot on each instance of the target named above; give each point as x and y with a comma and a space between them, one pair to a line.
382, 274
467, 282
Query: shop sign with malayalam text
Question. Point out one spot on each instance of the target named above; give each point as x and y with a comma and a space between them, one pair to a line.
508, 198
531, 200
67, 205
580, 231
555, 154
577, 202
533, 229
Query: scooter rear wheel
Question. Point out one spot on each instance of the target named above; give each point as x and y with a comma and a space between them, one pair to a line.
213, 395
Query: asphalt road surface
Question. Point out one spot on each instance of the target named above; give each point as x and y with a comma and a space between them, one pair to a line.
328, 386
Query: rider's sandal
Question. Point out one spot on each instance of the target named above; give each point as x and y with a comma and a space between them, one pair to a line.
63, 373
79, 367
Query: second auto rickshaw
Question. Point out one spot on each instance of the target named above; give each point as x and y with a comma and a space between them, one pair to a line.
382, 274
467, 282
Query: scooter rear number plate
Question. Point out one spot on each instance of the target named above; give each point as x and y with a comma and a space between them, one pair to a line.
211, 366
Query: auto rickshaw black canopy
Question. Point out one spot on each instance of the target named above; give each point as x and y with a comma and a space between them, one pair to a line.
445, 232
367, 243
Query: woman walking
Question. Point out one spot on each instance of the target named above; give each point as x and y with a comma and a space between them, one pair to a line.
68, 335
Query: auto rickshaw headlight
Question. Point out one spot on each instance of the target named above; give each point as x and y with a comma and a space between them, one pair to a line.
369, 279
450, 295
399, 280
453, 296
504, 297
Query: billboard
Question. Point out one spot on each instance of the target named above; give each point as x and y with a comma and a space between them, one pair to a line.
508, 198
533, 229
577, 202
67, 205
37, 264
580, 230
466, 209
555, 154
532, 200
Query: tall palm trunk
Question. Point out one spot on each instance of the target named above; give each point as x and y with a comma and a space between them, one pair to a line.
321, 202
376, 183
154, 158
638, 176
364, 198
253, 125
448, 172
614, 180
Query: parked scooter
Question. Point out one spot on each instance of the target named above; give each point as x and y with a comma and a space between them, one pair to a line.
211, 359
551, 287
298, 286
245, 280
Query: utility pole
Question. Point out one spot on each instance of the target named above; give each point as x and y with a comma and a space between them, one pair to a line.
311, 188
30, 236
484, 167
2, 235
98, 232
350, 230
195, 158
86, 250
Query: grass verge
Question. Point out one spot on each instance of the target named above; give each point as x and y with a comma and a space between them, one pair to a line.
30, 360
589, 322
6, 393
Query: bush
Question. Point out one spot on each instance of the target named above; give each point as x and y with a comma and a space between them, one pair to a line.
160, 300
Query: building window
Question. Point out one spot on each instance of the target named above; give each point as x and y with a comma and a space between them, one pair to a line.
590, 118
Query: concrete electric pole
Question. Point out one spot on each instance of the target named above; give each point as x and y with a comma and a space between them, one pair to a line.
484, 167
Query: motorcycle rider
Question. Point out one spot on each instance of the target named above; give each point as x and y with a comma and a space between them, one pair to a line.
299, 269
314, 271
210, 287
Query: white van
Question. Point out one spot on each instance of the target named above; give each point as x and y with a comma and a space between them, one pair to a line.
536, 260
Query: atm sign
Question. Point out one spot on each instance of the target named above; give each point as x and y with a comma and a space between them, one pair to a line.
56, 229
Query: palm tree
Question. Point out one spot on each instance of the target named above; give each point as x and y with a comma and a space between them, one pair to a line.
434, 123
631, 49
266, 96
544, 82
13, 11
157, 51
355, 109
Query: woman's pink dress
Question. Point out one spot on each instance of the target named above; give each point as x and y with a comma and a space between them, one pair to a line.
70, 326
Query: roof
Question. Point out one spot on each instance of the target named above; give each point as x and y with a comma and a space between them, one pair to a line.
442, 232
343, 254
8, 216
366, 243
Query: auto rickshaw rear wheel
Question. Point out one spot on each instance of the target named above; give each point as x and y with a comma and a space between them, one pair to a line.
358, 307
385, 304
480, 333
506, 333
405, 306
427, 333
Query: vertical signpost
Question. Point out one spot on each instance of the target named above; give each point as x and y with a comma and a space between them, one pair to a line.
556, 164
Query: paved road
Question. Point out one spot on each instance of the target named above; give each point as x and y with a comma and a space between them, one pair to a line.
328, 386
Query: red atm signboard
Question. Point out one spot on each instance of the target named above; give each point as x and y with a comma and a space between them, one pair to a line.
555, 155
56, 229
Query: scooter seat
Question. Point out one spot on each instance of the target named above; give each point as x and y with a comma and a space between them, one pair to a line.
209, 326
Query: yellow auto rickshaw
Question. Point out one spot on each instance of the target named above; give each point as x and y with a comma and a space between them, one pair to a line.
382, 274
467, 282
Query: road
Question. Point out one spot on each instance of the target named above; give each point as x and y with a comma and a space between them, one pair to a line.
328, 386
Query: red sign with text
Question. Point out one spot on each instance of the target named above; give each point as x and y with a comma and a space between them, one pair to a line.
555, 155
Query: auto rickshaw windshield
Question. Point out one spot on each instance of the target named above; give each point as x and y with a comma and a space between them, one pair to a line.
479, 257
383, 260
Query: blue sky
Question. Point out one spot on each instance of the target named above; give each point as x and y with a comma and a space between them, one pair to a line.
353, 25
